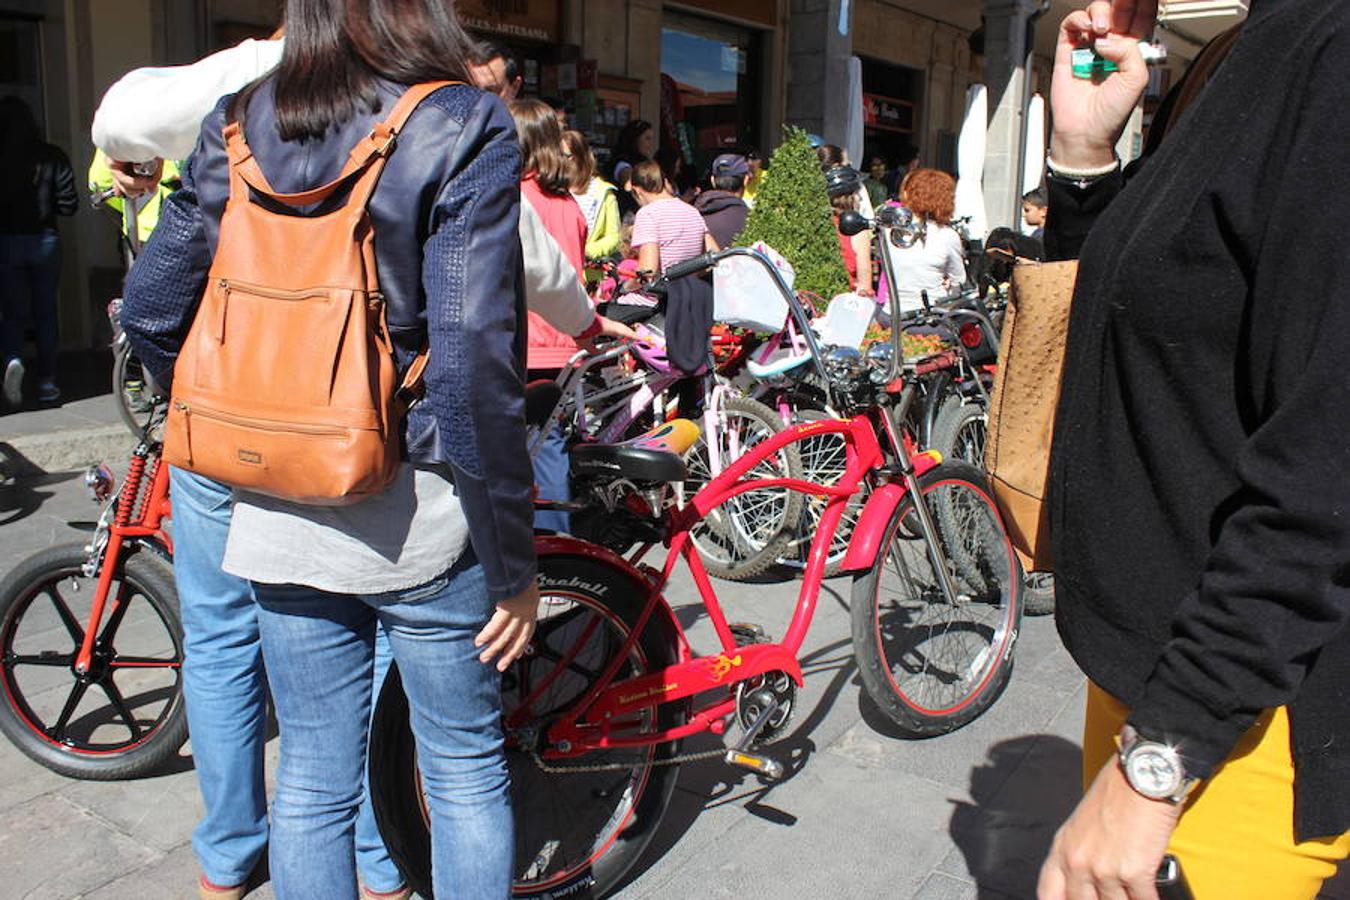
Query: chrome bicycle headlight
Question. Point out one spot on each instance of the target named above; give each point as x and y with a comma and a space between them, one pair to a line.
100, 483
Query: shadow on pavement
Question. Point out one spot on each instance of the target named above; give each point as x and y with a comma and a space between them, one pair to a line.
1025, 788
712, 783
20, 498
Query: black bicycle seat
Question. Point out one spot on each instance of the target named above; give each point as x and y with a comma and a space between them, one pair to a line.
653, 457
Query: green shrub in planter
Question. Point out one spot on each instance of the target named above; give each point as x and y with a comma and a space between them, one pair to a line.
792, 215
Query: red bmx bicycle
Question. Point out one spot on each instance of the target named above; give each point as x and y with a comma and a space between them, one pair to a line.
597, 707
91, 637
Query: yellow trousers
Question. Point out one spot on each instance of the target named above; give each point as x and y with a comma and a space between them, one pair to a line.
1235, 840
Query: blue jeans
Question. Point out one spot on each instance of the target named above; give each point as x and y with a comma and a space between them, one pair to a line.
30, 272
223, 684
551, 471
320, 650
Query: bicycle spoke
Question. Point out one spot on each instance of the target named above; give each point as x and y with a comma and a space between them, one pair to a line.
120, 704
119, 612
47, 658
68, 619
58, 731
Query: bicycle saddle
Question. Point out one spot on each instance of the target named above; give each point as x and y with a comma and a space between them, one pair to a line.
651, 457
540, 398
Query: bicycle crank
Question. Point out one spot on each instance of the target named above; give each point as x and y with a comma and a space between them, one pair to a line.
740, 754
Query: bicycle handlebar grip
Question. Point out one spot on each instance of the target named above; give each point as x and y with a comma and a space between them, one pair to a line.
700, 263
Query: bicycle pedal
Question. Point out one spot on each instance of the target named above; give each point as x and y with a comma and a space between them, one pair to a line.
760, 765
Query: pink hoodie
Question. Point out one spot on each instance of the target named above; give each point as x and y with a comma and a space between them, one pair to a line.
549, 348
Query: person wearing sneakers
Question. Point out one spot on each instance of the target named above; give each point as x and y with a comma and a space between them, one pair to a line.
37, 184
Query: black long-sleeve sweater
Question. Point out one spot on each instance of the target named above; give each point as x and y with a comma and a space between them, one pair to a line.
1200, 479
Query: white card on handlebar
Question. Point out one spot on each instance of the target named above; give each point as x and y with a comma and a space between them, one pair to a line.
745, 294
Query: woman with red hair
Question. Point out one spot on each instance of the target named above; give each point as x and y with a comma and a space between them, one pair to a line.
936, 261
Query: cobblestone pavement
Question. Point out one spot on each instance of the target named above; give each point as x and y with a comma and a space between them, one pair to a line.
861, 814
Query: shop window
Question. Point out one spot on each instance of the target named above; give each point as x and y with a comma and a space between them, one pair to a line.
711, 88
893, 123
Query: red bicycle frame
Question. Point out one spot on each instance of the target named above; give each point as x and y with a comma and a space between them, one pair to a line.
608, 714
139, 515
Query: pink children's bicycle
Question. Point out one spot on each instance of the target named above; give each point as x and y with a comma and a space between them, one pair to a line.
596, 709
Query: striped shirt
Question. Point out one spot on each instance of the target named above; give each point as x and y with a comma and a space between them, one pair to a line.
675, 226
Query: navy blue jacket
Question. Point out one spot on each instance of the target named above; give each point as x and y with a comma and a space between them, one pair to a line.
445, 215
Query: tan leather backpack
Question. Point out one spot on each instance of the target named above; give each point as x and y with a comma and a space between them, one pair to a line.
287, 384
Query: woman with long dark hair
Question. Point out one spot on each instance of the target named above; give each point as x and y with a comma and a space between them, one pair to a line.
36, 186
637, 143
443, 559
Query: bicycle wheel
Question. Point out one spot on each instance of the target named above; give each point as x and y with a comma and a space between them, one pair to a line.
577, 832
745, 536
133, 407
933, 666
960, 430
125, 717
824, 459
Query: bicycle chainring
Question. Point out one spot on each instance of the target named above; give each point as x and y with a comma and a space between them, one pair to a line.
754, 695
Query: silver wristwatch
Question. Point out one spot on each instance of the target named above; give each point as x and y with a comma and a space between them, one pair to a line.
1153, 769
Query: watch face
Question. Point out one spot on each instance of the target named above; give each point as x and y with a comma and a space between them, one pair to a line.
1153, 771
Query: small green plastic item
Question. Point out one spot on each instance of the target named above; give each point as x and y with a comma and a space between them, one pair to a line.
1088, 63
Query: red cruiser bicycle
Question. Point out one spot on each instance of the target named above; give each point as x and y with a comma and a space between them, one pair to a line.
596, 708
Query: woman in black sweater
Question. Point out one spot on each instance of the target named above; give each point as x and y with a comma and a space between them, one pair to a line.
1199, 494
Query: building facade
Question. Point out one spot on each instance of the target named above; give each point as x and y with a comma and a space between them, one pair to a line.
710, 75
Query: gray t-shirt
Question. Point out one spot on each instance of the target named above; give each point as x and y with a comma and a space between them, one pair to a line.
398, 539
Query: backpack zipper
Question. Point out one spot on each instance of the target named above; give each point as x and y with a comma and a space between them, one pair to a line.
259, 424
227, 286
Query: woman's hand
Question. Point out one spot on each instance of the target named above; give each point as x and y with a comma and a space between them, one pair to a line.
126, 183
1112, 845
1089, 114
509, 630
609, 328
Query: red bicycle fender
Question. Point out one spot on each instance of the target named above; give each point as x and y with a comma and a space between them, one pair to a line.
870, 531
562, 545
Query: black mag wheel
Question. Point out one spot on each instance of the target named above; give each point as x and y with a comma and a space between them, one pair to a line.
577, 831
747, 535
932, 665
125, 717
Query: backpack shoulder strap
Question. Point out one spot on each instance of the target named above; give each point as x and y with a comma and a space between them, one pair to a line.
374, 146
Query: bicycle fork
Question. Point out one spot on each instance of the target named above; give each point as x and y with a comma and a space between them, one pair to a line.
889, 416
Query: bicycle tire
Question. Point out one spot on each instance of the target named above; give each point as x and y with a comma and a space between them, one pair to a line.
732, 548
602, 858
928, 671
24, 712
960, 431
123, 361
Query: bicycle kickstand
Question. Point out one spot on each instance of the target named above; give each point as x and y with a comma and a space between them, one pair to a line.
740, 754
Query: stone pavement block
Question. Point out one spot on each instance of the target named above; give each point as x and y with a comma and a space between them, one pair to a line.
838, 830
22, 780
1025, 789
160, 812
1025, 707
174, 877
947, 887
65, 851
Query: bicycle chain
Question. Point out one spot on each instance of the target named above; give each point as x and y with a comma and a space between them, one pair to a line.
619, 767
